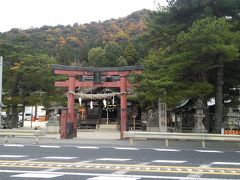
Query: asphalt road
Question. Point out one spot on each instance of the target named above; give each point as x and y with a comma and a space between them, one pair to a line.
116, 162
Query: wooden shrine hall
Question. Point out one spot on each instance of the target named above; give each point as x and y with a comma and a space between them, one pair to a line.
76, 80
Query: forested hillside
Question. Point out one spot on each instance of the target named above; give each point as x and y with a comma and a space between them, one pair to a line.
70, 44
28, 55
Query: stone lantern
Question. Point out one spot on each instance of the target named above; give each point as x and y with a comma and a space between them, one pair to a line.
53, 120
198, 117
232, 119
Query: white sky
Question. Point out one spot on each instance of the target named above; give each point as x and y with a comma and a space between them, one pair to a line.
36, 13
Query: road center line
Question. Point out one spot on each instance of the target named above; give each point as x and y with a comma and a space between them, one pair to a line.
199, 175
121, 172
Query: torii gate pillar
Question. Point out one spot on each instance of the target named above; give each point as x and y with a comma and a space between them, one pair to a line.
71, 120
123, 89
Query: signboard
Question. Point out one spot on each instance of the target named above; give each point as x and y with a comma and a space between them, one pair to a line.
162, 117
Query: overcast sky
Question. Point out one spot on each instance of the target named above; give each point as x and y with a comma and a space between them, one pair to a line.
36, 13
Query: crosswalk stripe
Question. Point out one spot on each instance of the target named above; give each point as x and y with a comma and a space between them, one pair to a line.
125, 148
47, 146
56, 157
87, 147
168, 161
13, 145
12, 156
209, 151
226, 163
112, 178
112, 159
167, 150
37, 175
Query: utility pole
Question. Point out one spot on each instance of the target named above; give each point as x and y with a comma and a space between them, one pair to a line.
1, 104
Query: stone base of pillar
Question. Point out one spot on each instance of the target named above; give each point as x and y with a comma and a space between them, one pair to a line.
52, 127
196, 130
121, 135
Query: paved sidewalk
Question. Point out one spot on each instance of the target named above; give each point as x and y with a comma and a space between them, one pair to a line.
90, 135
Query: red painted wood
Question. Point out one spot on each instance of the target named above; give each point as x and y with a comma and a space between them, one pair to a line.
63, 122
71, 87
71, 118
123, 89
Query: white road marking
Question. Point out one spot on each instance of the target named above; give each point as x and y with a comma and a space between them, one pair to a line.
37, 175
112, 159
14, 145
125, 148
226, 163
87, 147
5, 163
12, 156
120, 172
111, 178
208, 151
84, 162
47, 146
168, 150
168, 161
27, 160
56, 157
105, 175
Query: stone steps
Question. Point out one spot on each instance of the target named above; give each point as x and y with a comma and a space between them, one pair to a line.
108, 127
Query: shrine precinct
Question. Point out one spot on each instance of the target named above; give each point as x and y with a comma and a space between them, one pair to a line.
68, 120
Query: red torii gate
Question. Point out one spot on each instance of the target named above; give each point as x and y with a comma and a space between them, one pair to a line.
72, 83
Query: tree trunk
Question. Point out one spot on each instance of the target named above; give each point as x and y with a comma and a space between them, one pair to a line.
14, 93
9, 114
23, 115
219, 98
13, 117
